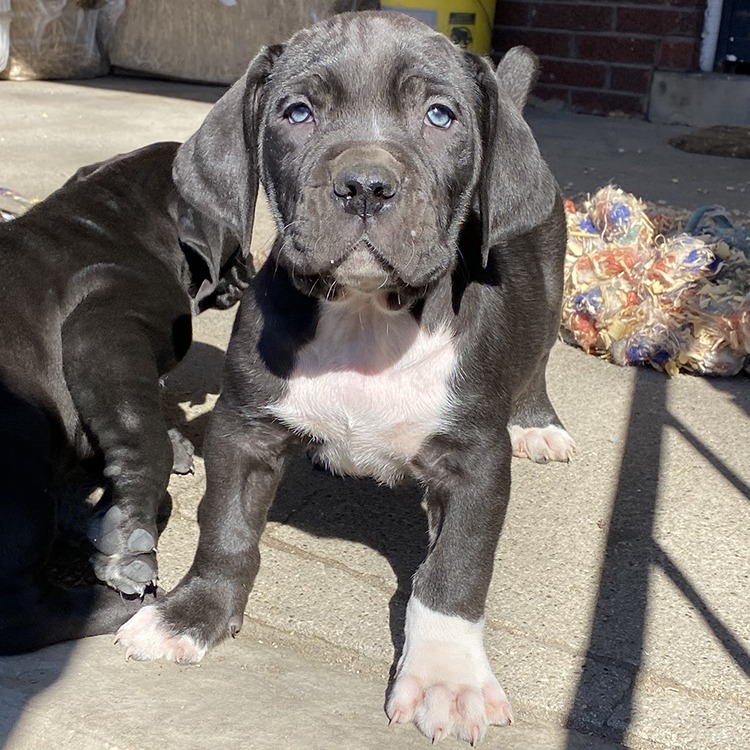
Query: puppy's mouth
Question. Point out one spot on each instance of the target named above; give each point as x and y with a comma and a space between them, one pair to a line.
361, 271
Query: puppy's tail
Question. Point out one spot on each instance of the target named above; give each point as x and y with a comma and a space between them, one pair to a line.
59, 614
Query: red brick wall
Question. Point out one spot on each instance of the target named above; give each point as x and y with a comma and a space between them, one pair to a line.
597, 56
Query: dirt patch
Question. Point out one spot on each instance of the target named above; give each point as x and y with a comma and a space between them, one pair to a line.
720, 140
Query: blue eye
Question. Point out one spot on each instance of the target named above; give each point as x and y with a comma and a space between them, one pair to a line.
439, 116
299, 113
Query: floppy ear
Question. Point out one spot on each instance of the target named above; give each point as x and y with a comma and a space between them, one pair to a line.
516, 189
216, 173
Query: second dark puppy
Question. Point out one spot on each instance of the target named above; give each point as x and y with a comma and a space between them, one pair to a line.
98, 284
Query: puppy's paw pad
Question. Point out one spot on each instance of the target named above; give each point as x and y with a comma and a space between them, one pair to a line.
105, 531
147, 637
141, 541
128, 573
113, 533
542, 444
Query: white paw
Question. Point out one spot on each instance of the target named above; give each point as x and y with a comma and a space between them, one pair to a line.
444, 682
145, 637
542, 444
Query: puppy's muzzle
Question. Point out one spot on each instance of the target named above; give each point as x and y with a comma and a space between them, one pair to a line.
366, 180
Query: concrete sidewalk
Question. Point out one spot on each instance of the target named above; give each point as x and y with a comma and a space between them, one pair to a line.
619, 606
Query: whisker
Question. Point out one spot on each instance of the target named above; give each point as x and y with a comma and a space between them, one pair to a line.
413, 253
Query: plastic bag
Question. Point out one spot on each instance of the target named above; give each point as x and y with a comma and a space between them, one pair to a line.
211, 41
60, 38
4, 33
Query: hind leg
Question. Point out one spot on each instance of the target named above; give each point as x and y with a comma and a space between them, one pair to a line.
535, 430
112, 375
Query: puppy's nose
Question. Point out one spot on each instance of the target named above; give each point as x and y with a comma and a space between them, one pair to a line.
365, 190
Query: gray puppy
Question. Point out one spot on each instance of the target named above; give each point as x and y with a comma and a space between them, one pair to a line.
402, 325
98, 284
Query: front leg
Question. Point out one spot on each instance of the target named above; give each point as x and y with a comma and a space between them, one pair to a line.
444, 682
244, 464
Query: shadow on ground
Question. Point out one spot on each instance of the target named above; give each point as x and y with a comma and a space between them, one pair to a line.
390, 521
22, 678
132, 83
617, 631
189, 385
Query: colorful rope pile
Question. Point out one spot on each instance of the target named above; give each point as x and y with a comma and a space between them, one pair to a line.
632, 296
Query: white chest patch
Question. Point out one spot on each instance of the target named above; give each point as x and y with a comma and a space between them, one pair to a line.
369, 388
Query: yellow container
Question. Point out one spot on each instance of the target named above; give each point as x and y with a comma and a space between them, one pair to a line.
466, 22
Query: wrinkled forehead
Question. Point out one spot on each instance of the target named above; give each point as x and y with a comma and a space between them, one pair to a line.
376, 59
